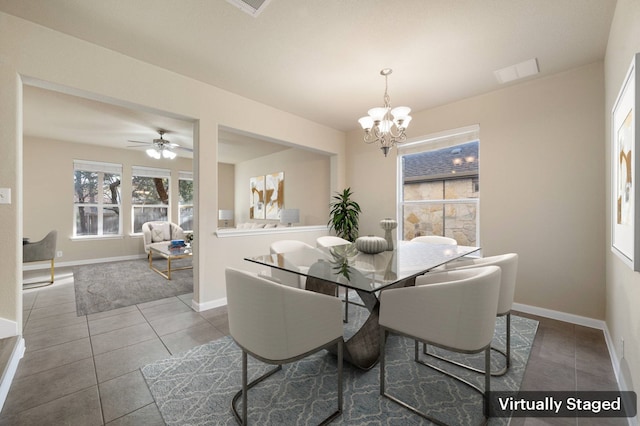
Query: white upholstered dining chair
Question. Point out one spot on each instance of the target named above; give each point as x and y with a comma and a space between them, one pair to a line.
288, 278
453, 310
508, 264
330, 241
278, 324
434, 239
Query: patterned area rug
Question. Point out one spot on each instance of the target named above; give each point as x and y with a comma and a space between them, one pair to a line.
196, 387
106, 286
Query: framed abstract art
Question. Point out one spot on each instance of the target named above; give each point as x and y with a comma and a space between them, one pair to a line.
625, 241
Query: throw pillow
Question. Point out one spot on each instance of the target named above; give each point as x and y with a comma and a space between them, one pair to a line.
157, 234
166, 229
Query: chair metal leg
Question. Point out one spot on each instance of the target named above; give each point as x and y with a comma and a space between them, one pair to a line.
52, 271
346, 306
245, 388
243, 393
505, 353
484, 392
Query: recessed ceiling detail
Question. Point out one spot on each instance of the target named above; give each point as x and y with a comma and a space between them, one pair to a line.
252, 7
517, 71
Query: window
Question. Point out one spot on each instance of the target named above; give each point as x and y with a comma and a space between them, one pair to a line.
440, 186
149, 196
96, 199
185, 202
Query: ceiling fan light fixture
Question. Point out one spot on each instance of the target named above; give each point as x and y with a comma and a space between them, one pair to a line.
168, 154
153, 153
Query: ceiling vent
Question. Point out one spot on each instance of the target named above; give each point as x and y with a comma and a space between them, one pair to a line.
252, 7
517, 71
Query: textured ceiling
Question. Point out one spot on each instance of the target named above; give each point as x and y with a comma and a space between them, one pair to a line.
320, 59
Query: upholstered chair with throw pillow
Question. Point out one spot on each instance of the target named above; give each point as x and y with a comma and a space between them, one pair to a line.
160, 232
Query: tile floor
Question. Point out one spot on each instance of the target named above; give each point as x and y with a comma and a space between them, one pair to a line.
85, 370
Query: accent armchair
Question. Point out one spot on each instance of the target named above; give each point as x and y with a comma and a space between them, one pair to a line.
42, 250
160, 233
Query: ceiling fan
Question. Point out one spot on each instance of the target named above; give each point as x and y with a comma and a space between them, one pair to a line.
161, 147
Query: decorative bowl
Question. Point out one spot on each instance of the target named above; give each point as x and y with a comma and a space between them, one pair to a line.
371, 244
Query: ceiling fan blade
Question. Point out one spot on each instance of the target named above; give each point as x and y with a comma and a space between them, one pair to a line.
184, 149
146, 143
137, 146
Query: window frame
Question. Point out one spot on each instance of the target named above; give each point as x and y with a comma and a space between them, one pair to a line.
99, 167
188, 176
440, 140
150, 172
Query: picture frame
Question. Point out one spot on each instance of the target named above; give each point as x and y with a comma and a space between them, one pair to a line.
274, 194
625, 239
256, 198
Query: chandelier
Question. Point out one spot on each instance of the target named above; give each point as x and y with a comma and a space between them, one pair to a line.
385, 125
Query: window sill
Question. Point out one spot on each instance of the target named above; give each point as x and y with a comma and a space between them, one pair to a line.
97, 237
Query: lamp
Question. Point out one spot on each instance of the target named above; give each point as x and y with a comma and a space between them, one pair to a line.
289, 216
225, 215
385, 125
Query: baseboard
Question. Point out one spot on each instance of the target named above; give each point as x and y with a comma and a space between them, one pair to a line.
622, 384
47, 265
199, 307
560, 316
10, 371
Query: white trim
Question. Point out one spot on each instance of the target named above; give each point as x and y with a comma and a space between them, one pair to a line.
34, 267
10, 328
10, 370
233, 232
622, 384
97, 166
560, 316
185, 175
151, 172
199, 307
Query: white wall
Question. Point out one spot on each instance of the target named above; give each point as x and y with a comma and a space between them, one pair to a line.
541, 183
37, 54
623, 285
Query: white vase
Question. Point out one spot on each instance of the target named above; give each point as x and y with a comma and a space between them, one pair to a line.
388, 225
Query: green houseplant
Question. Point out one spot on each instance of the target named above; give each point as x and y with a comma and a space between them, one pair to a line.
344, 214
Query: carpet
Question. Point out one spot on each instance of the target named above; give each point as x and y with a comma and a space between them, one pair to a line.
105, 286
196, 387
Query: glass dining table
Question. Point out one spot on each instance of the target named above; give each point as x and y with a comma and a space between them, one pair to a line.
367, 274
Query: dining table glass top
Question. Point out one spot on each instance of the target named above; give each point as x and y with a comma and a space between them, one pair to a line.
346, 266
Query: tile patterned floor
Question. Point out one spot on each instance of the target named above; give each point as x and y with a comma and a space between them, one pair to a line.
85, 370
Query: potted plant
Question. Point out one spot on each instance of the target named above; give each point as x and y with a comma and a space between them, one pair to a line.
343, 217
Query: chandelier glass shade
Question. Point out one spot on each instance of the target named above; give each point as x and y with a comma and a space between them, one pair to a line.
384, 125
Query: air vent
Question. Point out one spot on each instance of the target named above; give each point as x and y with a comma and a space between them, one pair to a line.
517, 71
252, 7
